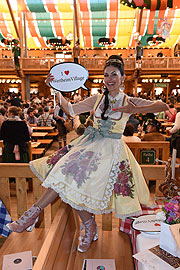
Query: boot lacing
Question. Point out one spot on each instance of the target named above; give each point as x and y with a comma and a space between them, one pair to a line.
86, 238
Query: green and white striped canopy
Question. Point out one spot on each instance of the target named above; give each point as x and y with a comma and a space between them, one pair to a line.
46, 19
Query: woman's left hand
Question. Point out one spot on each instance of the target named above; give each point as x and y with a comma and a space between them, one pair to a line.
130, 108
49, 79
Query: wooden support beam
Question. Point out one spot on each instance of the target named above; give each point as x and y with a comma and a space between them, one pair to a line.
13, 19
139, 20
76, 17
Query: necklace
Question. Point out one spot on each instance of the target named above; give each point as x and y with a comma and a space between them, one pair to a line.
113, 101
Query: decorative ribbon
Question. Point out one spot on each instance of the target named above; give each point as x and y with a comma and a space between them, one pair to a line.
103, 131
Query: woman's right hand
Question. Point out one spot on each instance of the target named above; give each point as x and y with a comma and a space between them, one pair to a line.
49, 79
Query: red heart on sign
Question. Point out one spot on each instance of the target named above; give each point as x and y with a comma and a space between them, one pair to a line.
157, 224
66, 72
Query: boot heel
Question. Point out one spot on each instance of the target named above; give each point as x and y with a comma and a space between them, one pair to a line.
96, 235
30, 228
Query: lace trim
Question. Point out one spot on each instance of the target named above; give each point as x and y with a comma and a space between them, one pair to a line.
35, 172
93, 211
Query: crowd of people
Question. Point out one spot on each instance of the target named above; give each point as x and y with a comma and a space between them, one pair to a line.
40, 111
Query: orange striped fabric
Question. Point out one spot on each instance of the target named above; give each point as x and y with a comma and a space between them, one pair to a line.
163, 4
33, 31
50, 6
3, 26
85, 22
22, 6
151, 22
113, 14
57, 24
153, 4
143, 21
176, 4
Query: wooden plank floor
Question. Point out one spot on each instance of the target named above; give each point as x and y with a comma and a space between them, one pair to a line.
110, 245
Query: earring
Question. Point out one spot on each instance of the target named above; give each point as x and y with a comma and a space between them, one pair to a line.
122, 86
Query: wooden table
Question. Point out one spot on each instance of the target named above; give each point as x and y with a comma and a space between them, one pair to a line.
36, 135
35, 144
162, 120
43, 128
167, 124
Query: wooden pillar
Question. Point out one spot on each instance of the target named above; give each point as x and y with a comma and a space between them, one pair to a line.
153, 91
25, 36
23, 88
167, 92
135, 86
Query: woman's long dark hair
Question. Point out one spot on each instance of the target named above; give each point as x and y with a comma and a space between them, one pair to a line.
116, 61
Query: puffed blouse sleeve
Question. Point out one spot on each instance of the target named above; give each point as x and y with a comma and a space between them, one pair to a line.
82, 106
140, 101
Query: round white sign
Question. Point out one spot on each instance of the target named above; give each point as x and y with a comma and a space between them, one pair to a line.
69, 77
147, 223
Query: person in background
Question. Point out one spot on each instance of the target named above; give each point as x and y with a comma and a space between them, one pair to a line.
60, 117
22, 117
134, 121
26, 107
31, 118
76, 51
15, 135
174, 131
76, 97
160, 54
46, 119
128, 134
97, 173
15, 100
80, 130
173, 118
153, 134
139, 54
161, 115
169, 113
16, 50
2, 115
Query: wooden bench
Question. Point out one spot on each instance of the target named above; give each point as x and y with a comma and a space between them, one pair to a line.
56, 248
52, 134
36, 152
45, 142
162, 149
44, 242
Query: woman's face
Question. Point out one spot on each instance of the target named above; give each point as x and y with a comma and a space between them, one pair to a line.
112, 79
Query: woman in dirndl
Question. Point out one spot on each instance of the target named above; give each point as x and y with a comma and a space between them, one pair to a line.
97, 173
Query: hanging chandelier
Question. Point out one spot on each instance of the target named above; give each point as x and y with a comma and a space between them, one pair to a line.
58, 43
155, 41
106, 42
9, 42
149, 4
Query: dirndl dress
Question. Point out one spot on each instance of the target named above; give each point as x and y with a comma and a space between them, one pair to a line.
97, 172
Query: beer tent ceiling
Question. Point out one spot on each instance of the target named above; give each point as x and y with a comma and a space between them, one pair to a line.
46, 19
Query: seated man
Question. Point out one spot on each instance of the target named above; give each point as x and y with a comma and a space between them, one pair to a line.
46, 119
153, 134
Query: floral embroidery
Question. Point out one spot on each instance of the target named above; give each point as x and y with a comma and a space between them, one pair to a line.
124, 183
54, 158
80, 165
